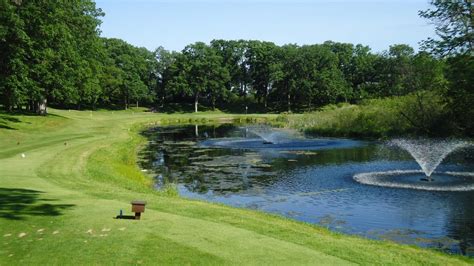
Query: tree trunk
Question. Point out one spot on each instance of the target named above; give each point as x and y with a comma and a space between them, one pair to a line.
42, 107
266, 97
125, 101
137, 103
31, 106
196, 98
8, 105
289, 102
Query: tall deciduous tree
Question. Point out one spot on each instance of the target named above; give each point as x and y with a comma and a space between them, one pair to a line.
14, 42
400, 79
48, 48
264, 68
130, 74
454, 22
164, 61
199, 72
460, 92
362, 71
291, 72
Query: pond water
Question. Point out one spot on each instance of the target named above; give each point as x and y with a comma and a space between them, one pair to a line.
312, 180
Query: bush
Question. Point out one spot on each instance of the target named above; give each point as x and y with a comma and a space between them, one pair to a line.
420, 113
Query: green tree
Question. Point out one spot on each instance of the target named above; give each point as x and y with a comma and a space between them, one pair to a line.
428, 73
14, 42
460, 92
328, 79
394, 72
362, 74
264, 68
454, 23
164, 61
400, 64
199, 72
48, 50
290, 73
132, 76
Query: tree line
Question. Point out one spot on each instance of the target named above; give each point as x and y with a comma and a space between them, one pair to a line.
290, 76
51, 53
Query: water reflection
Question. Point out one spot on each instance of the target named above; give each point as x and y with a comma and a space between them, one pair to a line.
314, 185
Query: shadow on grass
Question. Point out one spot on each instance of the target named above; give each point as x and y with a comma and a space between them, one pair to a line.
18, 204
125, 217
8, 119
2, 125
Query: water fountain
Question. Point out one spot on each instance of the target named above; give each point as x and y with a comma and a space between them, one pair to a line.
263, 137
429, 154
270, 135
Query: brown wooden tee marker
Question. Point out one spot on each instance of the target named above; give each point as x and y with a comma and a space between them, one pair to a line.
138, 206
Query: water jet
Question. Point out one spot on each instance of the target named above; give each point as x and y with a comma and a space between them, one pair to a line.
428, 153
270, 135
262, 137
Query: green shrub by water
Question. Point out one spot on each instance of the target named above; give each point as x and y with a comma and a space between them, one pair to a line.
421, 113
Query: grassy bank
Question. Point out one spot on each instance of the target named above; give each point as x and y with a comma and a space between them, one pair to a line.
64, 177
422, 113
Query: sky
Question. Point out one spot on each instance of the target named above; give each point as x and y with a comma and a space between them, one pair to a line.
175, 24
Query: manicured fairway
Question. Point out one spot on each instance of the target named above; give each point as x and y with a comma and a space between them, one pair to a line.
64, 177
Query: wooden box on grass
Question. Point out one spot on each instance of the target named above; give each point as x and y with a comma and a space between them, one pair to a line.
138, 206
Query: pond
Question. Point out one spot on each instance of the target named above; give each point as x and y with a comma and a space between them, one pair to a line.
313, 180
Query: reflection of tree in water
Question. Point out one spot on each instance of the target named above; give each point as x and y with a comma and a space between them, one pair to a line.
227, 173
289, 160
174, 154
453, 210
460, 221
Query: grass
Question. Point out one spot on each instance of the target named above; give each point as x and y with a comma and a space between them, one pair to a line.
79, 169
421, 113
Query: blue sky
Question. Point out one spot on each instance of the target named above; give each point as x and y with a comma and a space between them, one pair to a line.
174, 24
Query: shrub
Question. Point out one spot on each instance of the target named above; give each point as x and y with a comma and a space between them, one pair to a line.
420, 113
